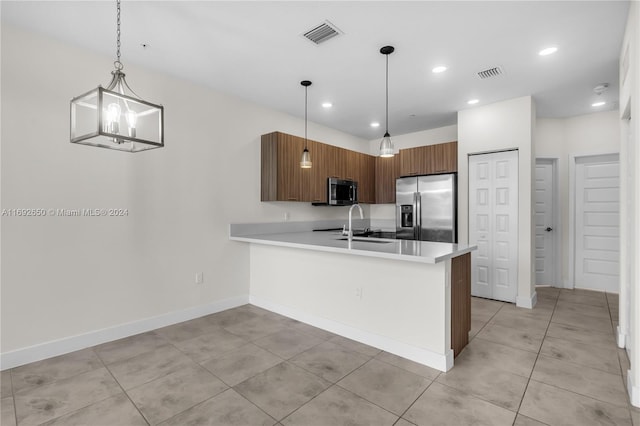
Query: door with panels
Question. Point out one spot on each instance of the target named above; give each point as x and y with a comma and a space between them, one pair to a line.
544, 223
493, 224
597, 223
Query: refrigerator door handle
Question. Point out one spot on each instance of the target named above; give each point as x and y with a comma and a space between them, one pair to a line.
418, 215
415, 215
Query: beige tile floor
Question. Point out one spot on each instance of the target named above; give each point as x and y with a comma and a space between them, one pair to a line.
557, 364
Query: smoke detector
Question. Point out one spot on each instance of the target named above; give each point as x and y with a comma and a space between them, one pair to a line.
601, 88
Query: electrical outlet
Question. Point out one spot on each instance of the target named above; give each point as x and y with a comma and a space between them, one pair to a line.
199, 277
287, 216
359, 292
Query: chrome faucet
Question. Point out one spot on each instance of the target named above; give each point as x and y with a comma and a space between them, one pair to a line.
350, 231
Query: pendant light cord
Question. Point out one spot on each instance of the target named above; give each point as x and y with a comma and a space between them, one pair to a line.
305, 116
387, 94
117, 63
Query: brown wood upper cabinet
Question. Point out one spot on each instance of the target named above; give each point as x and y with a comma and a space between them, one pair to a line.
387, 171
429, 159
284, 180
366, 178
282, 177
415, 161
321, 159
444, 157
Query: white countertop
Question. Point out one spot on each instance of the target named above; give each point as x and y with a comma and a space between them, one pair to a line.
334, 242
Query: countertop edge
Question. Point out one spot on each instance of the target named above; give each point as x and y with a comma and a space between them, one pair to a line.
263, 239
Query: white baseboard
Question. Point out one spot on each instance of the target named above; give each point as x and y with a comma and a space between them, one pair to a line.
69, 344
633, 389
423, 356
621, 337
527, 302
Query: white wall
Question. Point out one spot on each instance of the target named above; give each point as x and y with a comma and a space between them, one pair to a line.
500, 126
64, 276
412, 140
595, 133
409, 140
629, 328
359, 303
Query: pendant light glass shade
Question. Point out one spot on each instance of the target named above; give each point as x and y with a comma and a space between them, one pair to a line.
305, 160
115, 117
386, 144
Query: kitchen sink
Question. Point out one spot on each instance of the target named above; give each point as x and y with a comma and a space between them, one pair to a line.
365, 240
376, 234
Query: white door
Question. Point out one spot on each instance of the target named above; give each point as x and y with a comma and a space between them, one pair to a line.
493, 225
545, 244
597, 218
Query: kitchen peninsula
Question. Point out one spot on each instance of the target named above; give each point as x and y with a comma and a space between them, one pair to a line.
409, 298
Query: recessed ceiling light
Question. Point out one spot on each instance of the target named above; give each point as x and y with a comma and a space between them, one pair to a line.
597, 104
327, 105
375, 124
548, 51
439, 69
473, 101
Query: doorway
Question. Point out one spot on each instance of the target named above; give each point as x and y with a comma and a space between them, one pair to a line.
595, 200
546, 222
493, 224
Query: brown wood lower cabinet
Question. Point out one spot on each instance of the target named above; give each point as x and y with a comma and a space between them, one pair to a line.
460, 302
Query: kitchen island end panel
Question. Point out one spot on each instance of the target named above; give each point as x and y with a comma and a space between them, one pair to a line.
401, 307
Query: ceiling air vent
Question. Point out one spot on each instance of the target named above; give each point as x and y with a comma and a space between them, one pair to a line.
322, 32
491, 72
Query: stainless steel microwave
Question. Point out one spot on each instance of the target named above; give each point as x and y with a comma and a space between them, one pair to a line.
342, 192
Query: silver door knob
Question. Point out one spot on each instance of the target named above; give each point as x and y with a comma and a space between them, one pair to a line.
549, 229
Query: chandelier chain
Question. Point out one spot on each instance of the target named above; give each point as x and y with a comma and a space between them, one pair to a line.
117, 63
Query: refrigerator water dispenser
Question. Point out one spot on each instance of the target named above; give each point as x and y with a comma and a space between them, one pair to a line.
406, 210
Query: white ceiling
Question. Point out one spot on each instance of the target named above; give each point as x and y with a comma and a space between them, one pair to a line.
255, 50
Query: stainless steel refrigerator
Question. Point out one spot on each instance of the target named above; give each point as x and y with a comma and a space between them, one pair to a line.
426, 208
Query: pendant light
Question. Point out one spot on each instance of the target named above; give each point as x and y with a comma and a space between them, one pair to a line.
305, 161
386, 145
116, 117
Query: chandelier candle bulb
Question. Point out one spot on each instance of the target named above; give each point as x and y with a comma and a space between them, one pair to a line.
113, 118
132, 119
